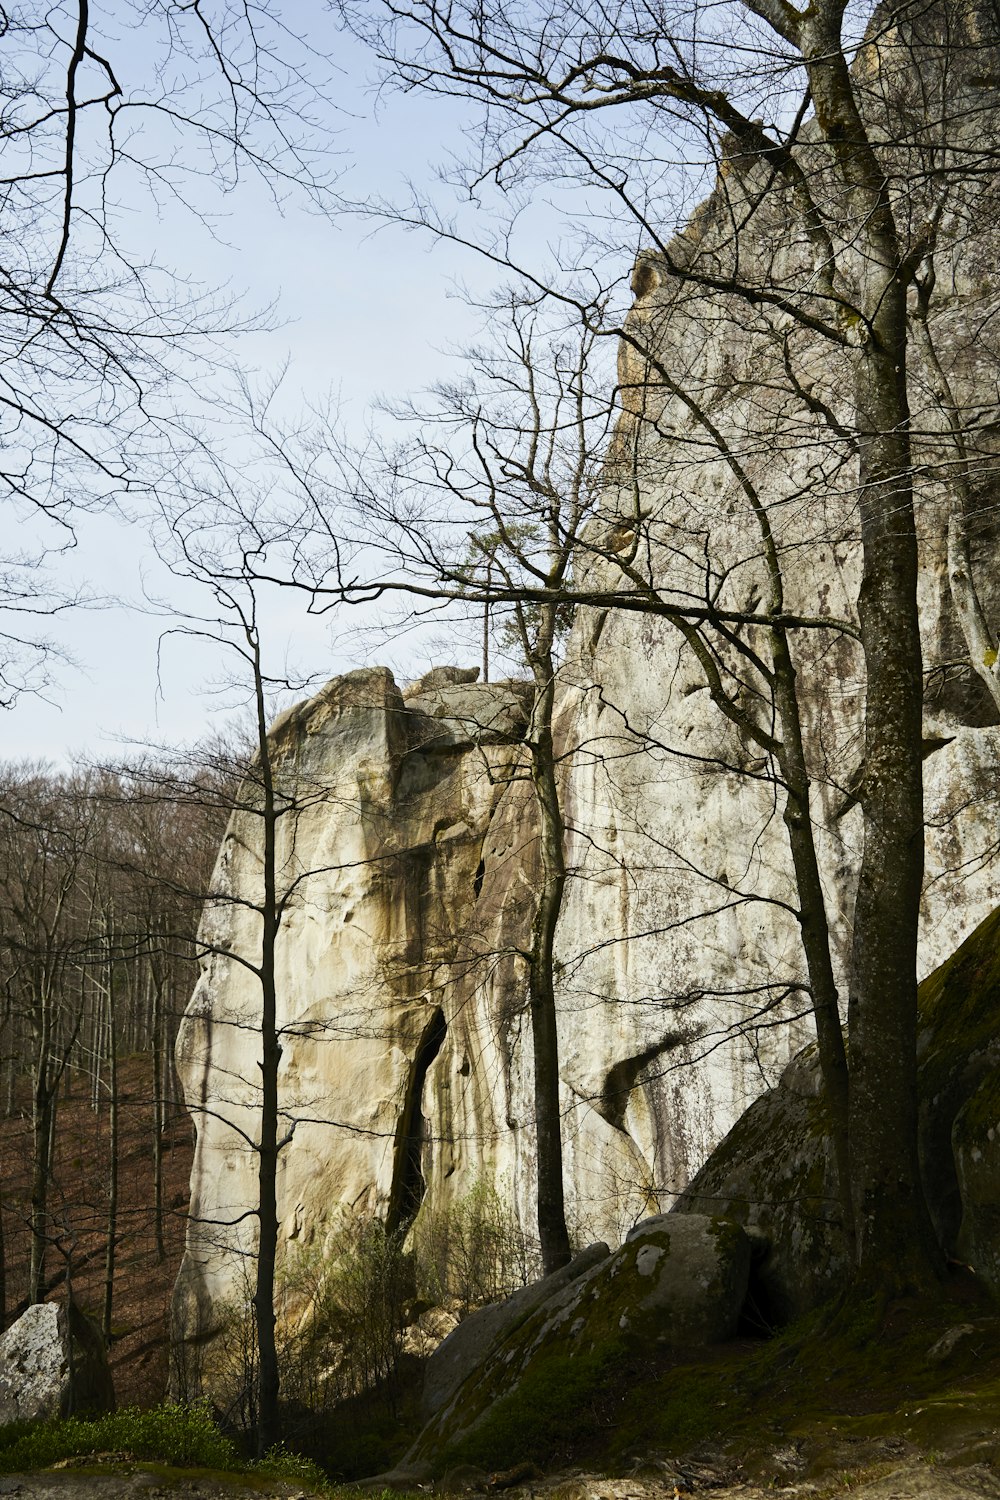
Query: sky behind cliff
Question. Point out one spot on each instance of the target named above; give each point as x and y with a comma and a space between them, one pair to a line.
359, 313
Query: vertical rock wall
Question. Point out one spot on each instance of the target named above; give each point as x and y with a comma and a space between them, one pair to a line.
406, 1074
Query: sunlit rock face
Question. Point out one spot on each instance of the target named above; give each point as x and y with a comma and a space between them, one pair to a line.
391, 811
407, 1069
412, 862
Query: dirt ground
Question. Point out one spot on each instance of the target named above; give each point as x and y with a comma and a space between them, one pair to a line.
913, 1479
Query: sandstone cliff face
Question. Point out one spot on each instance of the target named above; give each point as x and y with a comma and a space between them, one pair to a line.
393, 809
407, 1058
406, 1070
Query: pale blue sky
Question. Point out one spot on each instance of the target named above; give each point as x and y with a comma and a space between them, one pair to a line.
361, 314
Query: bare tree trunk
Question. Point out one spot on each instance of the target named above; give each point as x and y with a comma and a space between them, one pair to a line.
895, 1243
156, 998
113, 1106
3, 1269
43, 1106
814, 925
268, 1376
553, 1236
42, 1135
980, 640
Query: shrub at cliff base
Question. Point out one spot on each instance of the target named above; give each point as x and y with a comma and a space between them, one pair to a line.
184, 1436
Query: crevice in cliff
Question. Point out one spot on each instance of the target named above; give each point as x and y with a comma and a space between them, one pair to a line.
408, 1186
621, 1079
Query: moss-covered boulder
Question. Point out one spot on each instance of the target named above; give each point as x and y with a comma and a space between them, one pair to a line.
957, 1048
774, 1172
976, 1146
468, 1345
677, 1281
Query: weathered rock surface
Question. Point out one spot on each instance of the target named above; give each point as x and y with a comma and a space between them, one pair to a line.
774, 1171
407, 1068
679, 1280
53, 1363
407, 1063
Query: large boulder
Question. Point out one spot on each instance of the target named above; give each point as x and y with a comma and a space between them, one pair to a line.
976, 1141
774, 1171
677, 1283
468, 1345
774, 1174
53, 1363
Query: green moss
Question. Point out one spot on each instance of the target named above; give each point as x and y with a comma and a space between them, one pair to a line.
555, 1410
981, 1112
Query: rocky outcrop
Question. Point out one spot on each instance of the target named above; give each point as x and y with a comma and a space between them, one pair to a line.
410, 840
387, 1063
53, 1363
406, 1071
406, 1067
678, 1282
469, 1345
774, 1172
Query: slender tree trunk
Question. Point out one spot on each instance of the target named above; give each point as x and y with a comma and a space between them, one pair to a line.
43, 1106
42, 1122
980, 638
113, 1106
814, 924
156, 999
552, 1233
268, 1377
268, 1429
3, 1269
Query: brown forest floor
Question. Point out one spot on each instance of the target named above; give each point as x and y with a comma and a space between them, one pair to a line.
79, 1207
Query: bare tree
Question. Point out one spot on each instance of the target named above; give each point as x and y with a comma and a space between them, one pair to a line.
213, 541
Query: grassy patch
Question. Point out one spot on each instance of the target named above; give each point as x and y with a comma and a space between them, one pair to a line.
169, 1438
183, 1436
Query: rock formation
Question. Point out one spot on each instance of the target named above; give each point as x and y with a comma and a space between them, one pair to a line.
410, 846
406, 1070
677, 1282
774, 1171
53, 1363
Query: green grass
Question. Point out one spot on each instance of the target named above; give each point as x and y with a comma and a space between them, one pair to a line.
169, 1436
183, 1436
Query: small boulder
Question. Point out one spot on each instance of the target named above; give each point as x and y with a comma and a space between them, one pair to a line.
440, 677
53, 1363
473, 713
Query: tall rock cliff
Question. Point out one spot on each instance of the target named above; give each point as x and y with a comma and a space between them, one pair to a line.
409, 848
406, 1072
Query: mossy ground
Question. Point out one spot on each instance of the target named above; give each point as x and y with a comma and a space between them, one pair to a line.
833, 1389
836, 1395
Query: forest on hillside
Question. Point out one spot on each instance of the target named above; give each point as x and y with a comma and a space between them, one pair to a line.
103, 878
